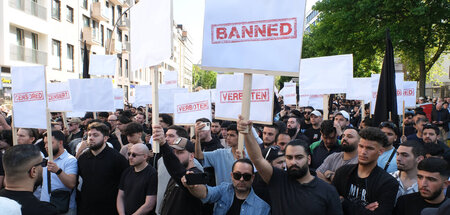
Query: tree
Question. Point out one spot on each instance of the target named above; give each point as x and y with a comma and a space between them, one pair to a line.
419, 29
203, 78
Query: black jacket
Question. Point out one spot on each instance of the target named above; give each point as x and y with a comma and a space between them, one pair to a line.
381, 188
444, 117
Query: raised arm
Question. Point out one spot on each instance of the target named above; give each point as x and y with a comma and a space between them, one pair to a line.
200, 191
198, 148
264, 168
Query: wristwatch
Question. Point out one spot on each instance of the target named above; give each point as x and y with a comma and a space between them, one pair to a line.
59, 171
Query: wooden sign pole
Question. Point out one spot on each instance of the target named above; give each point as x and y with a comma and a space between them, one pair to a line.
155, 105
49, 123
13, 128
325, 106
146, 114
403, 126
363, 112
245, 112
64, 118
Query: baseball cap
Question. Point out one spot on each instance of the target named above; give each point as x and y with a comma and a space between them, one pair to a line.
344, 114
316, 113
183, 144
75, 120
272, 153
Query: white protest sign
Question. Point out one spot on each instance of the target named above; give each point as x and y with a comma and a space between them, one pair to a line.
188, 107
409, 93
375, 80
28, 97
171, 79
73, 114
303, 101
59, 99
102, 64
253, 36
131, 100
118, 98
289, 93
213, 95
150, 33
325, 75
92, 95
316, 101
229, 97
359, 89
167, 97
143, 95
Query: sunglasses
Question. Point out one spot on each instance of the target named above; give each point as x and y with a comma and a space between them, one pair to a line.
43, 163
133, 154
306, 112
238, 176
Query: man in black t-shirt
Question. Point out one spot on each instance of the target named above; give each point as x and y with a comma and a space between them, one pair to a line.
306, 123
432, 177
295, 191
207, 141
23, 167
138, 184
313, 133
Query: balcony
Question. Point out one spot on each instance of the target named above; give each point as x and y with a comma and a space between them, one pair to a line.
115, 46
126, 3
99, 12
30, 7
91, 35
126, 47
124, 24
20, 53
116, 2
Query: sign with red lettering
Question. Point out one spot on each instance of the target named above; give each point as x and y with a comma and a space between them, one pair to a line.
118, 98
229, 97
171, 79
188, 107
409, 93
375, 79
29, 97
247, 36
59, 98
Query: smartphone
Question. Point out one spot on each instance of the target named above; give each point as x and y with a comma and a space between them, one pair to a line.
207, 126
197, 178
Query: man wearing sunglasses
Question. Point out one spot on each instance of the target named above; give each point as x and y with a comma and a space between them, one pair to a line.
23, 173
306, 123
237, 197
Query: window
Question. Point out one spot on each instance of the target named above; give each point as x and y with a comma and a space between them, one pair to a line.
119, 35
56, 9
56, 54
20, 37
126, 38
126, 68
102, 35
70, 58
120, 66
112, 15
34, 41
86, 21
108, 34
69, 16
85, 4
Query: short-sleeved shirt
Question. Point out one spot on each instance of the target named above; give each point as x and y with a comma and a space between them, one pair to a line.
30, 204
222, 160
383, 159
334, 161
68, 164
288, 196
101, 175
312, 134
413, 204
320, 153
137, 186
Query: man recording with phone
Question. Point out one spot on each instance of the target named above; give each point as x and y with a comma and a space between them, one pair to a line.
231, 198
203, 133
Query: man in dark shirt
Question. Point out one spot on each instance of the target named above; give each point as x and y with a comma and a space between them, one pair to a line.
313, 133
430, 136
306, 123
208, 143
100, 168
178, 158
23, 167
138, 184
440, 118
293, 128
328, 145
365, 188
295, 191
432, 177
74, 129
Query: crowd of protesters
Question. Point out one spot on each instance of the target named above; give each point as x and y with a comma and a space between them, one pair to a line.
303, 163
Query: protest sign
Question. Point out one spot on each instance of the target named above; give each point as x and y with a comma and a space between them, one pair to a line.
102, 64
59, 99
375, 79
289, 93
92, 95
359, 89
73, 114
171, 79
236, 40
118, 98
303, 101
143, 95
230, 96
29, 97
325, 75
188, 107
167, 97
409, 93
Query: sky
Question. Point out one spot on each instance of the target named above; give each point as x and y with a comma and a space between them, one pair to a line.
190, 14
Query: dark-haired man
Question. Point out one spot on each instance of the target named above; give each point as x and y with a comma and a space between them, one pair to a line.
366, 188
100, 168
293, 129
313, 132
23, 173
431, 135
388, 158
207, 142
134, 132
306, 123
270, 133
287, 189
328, 145
432, 179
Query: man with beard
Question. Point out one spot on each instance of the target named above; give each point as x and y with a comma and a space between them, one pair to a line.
432, 178
287, 189
63, 172
365, 188
293, 129
313, 133
23, 173
100, 169
418, 126
216, 128
430, 136
409, 154
138, 184
349, 155
306, 123
232, 198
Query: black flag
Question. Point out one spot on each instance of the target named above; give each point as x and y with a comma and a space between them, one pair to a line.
386, 105
86, 62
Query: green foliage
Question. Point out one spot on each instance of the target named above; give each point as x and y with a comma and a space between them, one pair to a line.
202, 78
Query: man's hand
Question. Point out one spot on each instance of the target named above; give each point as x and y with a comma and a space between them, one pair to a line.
52, 167
158, 134
372, 206
329, 174
184, 181
198, 126
238, 155
243, 126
